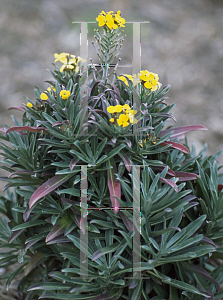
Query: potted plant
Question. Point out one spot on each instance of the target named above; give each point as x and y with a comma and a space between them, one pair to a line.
92, 163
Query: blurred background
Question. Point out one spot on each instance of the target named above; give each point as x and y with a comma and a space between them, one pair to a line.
183, 44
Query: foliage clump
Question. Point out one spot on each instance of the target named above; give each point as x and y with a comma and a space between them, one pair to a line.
92, 119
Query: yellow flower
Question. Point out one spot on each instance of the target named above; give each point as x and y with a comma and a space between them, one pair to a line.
70, 61
122, 78
29, 104
126, 107
112, 120
114, 109
119, 20
49, 89
60, 56
111, 20
111, 109
123, 120
44, 96
79, 59
64, 94
69, 64
118, 108
150, 80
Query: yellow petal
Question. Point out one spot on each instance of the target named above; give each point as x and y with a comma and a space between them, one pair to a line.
125, 124
119, 122
123, 118
148, 85
118, 108
111, 109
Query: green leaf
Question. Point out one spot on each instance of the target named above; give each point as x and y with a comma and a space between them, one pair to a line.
105, 250
49, 286
178, 284
28, 224
186, 232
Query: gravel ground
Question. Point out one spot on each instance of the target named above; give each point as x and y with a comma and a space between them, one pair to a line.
183, 43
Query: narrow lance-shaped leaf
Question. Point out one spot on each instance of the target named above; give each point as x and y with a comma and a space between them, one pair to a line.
126, 161
59, 228
35, 260
113, 185
21, 172
27, 128
170, 182
17, 107
176, 146
196, 269
47, 187
185, 176
181, 130
73, 162
169, 171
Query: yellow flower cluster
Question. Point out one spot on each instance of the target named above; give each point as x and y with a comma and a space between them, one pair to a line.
110, 19
123, 78
69, 61
123, 119
149, 80
44, 96
65, 94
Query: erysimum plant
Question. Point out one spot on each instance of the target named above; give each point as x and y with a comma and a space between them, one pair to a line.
84, 119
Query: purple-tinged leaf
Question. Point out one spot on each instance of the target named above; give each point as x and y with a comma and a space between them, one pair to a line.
77, 221
114, 185
17, 107
105, 250
21, 172
185, 176
47, 187
126, 161
190, 197
111, 295
209, 241
98, 111
181, 130
30, 244
116, 89
126, 221
27, 128
73, 162
59, 228
170, 182
161, 168
56, 123
133, 284
15, 234
176, 146
27, 213
196, 269
59, 240
34, 261
48, 220
73, 208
